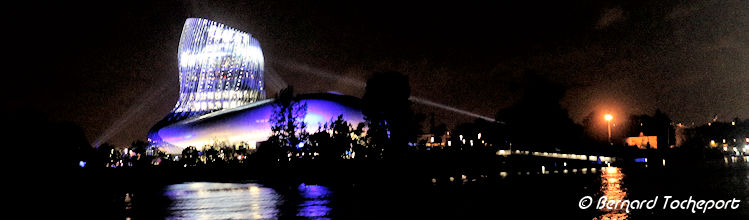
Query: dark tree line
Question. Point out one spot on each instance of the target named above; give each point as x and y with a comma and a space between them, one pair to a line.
387, 111
538, 121
389, 121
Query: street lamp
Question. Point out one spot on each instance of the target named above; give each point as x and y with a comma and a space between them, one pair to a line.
608, 118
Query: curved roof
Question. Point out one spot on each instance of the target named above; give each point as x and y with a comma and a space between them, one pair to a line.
249, 123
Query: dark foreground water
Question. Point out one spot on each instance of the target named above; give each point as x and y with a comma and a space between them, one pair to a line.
520, 191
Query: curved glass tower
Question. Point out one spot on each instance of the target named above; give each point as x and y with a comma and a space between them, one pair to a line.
219, 68
221, 95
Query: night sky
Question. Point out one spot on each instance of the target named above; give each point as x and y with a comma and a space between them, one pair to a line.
113, 67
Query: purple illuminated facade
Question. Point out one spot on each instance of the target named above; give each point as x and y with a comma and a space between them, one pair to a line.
249, 123
221, 92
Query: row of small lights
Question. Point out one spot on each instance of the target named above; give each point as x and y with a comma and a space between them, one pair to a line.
557, 155
505, 174
735, 149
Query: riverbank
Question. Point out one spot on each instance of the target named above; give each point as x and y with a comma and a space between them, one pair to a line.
433, 186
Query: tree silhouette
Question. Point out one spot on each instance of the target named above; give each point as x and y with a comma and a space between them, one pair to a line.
288, 129
387, 112
335, 138
538, 121
106, 155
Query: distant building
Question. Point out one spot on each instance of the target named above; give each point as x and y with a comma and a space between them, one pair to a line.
431, 140
730, 137
664, 132
643, 142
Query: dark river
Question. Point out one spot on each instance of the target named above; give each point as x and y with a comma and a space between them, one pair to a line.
541, 189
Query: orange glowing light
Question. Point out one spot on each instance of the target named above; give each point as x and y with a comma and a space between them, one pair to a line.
611, 169
608, 117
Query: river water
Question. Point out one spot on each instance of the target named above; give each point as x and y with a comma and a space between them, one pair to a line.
551, 191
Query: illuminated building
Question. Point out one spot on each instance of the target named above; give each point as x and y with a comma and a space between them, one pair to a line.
219, 68
643, 142
221, 96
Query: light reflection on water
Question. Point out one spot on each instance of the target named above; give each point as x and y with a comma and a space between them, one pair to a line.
315, 204
611, 187
203, 200
256, 201
206, 200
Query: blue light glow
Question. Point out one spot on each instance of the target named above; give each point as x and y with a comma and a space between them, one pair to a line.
314, 119
82, 163
315, 204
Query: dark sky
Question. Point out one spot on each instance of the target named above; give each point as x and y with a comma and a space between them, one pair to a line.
114, 72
